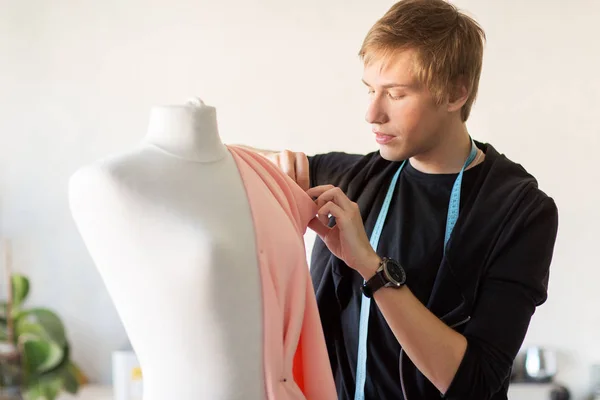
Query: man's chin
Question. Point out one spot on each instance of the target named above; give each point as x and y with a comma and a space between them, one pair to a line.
390, 153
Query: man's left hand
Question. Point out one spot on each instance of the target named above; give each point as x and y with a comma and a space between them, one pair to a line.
347, 239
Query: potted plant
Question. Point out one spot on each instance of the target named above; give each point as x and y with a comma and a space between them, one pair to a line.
34, 348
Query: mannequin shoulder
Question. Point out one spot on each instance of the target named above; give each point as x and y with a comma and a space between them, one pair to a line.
91, 178
101, 182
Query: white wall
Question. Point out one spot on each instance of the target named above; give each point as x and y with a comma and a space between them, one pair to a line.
77, 79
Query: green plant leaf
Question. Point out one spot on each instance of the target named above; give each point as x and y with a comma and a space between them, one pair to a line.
44, 388
15, 312
26, 327
40, 355
45, 354
3, 329
20, 289
48, 385
43, 323
81, 377
71, 378
3, 307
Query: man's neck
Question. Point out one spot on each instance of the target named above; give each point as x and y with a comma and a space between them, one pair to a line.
448, 155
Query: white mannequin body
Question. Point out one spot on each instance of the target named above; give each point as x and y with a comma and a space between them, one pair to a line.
170, 230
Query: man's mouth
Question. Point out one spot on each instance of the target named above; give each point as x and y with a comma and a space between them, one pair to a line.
383, 138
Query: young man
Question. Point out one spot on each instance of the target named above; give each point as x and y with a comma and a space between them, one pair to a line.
447, 292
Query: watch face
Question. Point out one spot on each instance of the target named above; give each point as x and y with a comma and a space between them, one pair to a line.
395, 272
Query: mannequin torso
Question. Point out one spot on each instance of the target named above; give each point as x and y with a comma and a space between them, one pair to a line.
171, 232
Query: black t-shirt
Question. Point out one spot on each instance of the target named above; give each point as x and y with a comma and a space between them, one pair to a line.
413, 234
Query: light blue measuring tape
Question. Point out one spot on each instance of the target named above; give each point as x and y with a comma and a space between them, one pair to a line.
365, 306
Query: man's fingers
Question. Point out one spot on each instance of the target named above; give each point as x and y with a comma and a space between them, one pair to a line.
302, 177
287, 163
335, 195
330, 208
320, 224
323, 216
317, 191
295, 165
321, 229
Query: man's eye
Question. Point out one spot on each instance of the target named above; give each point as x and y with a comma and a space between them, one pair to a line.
395, 96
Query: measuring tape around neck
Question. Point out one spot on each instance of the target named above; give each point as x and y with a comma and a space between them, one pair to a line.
453, 211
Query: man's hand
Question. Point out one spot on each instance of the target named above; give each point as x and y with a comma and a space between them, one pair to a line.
293, 164
347, 240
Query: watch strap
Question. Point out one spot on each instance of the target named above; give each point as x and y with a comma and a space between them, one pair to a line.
375, 283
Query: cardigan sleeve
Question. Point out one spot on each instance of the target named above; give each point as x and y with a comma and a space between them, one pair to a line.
514, 285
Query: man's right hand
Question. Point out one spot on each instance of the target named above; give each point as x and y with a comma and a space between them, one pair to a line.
293, 164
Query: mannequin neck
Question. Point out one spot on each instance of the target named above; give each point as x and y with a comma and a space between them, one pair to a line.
187, 131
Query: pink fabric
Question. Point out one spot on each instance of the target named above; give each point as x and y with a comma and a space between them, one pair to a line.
296, 364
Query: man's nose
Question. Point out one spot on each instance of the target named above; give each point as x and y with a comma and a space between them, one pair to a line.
375, 112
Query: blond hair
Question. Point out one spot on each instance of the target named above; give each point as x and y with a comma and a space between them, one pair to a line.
448, 45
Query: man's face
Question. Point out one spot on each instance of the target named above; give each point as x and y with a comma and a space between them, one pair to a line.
403, 114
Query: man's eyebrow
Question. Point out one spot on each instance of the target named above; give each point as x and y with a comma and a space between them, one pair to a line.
390, 85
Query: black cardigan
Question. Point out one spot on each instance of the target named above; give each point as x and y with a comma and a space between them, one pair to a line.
478, 290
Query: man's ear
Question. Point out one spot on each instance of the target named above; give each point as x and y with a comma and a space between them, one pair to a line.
458, 95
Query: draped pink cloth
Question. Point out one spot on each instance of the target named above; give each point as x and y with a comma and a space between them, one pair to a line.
296, 363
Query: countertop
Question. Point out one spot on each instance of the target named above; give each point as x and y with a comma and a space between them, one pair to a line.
90, 392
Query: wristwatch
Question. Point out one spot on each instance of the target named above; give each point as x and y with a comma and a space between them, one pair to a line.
389, 274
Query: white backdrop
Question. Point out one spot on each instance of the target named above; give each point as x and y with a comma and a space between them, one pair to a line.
77, 79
